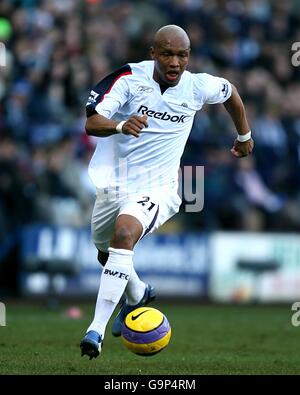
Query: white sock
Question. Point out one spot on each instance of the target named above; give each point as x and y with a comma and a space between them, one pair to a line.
103, 312
135, 289
114, 278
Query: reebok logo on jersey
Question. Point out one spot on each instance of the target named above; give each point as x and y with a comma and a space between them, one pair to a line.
117, 274
93, 97
145, 89
164, 116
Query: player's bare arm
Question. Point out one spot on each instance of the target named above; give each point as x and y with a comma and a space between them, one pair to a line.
236, 110
100, 126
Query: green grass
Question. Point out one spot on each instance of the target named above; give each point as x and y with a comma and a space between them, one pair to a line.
205, 340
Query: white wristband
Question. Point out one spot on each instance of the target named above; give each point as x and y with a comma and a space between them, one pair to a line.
244, 137
120, 126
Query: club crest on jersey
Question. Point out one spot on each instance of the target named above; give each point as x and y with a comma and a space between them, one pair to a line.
93, 97
145, 89
164, 116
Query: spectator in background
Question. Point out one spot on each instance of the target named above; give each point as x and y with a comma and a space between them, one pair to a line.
16, 207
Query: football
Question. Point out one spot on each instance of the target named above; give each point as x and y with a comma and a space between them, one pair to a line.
146, 331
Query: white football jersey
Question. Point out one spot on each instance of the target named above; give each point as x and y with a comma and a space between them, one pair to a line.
151, 161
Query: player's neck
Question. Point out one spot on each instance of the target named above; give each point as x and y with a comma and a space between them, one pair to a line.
163, 88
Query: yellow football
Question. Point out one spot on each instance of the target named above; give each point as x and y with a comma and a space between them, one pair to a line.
146, 331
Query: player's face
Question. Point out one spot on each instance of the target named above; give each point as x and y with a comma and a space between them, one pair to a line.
171, 59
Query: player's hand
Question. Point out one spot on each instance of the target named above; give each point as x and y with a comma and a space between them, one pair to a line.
242, 149
134, 125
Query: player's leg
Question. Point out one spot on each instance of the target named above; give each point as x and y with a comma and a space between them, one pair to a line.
103, 219
121, 238
135, 289
114, 279
117, 270
137, 292
152, 215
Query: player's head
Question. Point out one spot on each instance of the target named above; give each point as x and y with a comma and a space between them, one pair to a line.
170, 51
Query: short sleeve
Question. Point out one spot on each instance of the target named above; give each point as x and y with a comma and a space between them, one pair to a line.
212, 89
110, 94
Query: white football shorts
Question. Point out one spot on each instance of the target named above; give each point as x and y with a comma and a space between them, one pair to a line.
152, 210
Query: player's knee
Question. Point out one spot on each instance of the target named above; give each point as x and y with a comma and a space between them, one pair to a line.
123, 238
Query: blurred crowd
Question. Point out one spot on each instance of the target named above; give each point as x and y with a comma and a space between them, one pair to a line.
57, 50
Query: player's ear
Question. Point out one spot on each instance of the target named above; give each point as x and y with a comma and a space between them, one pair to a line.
152, 53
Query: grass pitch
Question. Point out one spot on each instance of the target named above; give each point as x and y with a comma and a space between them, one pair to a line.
225, 340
